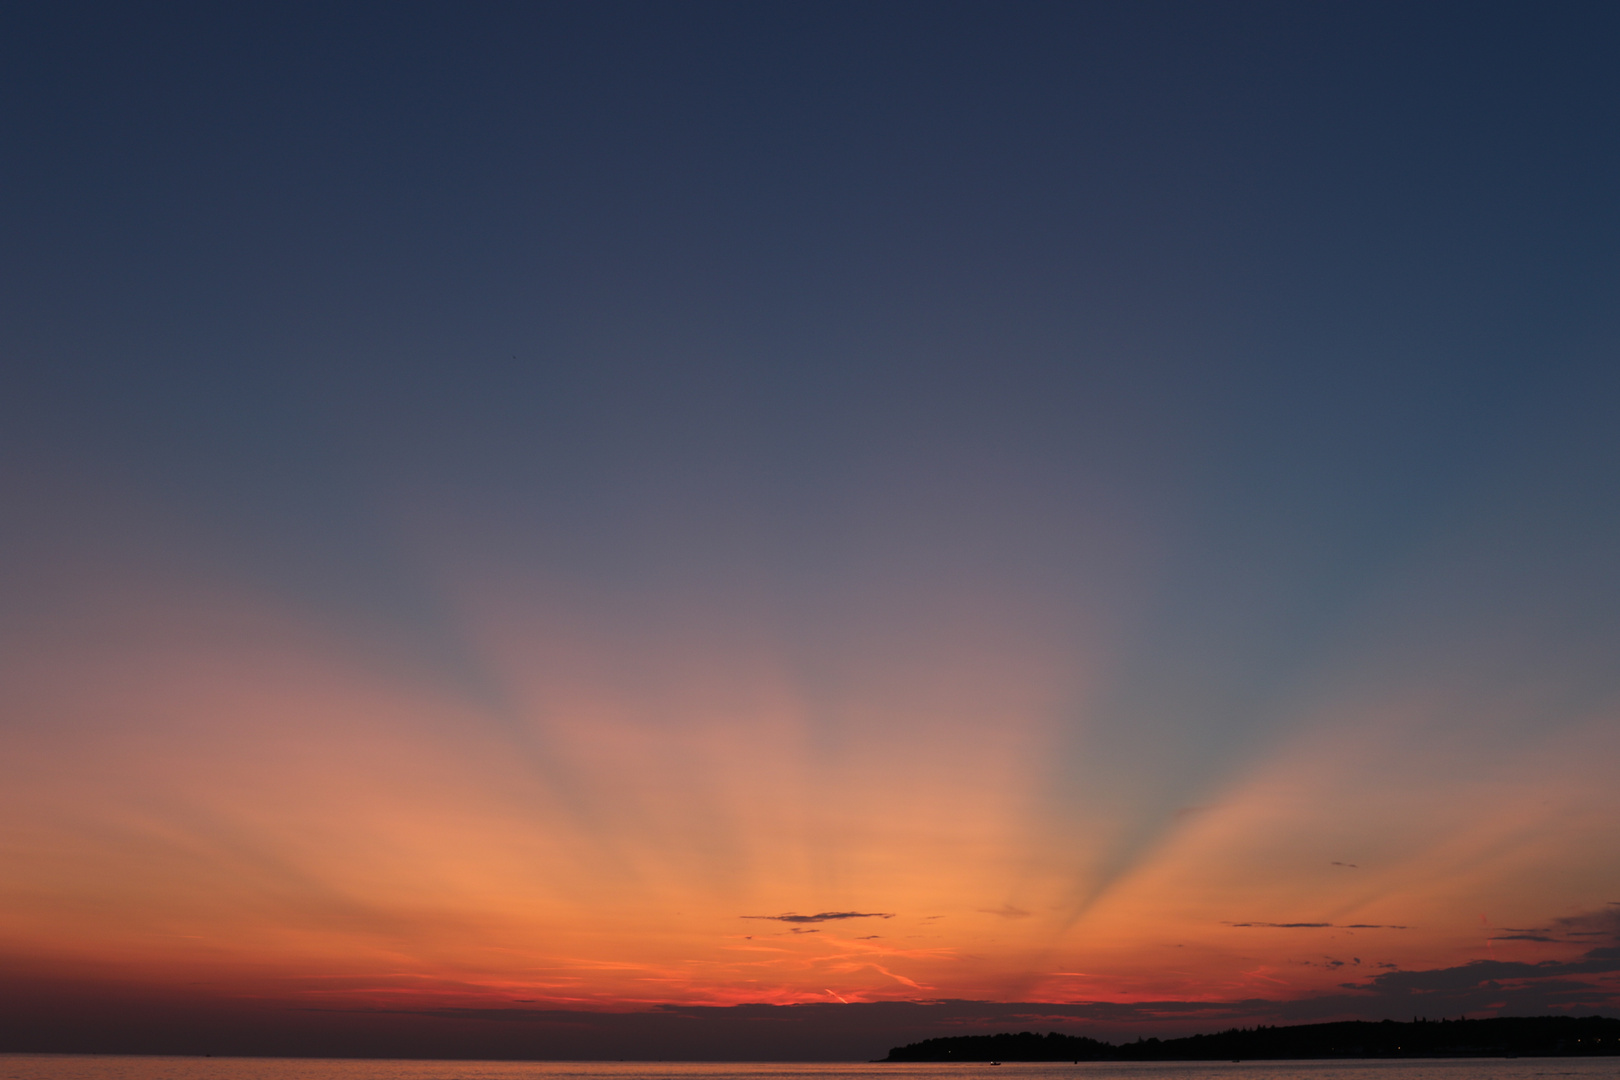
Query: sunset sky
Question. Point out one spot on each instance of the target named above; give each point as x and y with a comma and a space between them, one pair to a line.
1103, 516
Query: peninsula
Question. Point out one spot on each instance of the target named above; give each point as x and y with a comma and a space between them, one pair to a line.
1501, 1036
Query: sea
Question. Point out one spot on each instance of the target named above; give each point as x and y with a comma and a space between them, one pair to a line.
119, 1067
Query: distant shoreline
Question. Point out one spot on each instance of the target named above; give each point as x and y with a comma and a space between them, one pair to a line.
1502, 1036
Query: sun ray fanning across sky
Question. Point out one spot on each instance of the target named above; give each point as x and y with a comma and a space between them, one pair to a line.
1100, 513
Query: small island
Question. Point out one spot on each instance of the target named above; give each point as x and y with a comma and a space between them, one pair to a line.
1501, 1036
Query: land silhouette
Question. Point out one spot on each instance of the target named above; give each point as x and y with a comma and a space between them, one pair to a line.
1501, 1036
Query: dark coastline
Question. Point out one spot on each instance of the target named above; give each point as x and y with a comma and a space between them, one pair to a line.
1503, 1036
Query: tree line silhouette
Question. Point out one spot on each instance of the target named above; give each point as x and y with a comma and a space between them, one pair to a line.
1501, 1036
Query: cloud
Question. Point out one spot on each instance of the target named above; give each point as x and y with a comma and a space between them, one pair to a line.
1524, 989
1005, 911
824, 916
1491, 974
1604, 922
1314, 926
1580, 927
112, 1019
1330, 962
1350, 865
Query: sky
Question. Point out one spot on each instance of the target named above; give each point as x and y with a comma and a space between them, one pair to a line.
606, 529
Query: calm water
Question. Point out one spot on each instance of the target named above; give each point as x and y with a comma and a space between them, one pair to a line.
108, 1067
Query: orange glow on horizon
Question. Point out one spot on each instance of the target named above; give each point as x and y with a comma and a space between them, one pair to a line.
234, 797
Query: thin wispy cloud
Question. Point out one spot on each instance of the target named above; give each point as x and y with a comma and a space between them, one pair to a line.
824, 916
1315, 926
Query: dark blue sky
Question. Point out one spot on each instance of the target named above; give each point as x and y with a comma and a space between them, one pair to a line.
1283, 279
